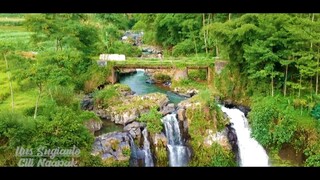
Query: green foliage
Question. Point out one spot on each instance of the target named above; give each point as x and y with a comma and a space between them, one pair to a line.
161, 155
184, 48
197, 75
63, 95
162, 77
65, 129
88, 160
153, 120
271, 125
316, 112
111, 162
119, 47
126, 152
106, 97
222, 157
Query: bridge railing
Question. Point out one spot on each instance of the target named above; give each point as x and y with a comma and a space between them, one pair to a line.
169, 63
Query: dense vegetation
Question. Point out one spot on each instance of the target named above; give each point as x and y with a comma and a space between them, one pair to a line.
48, 61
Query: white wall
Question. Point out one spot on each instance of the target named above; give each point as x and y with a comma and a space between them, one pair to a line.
112, 57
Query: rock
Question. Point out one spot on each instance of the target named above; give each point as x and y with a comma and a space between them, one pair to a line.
87, 103
150, 81
244, 109
125, 117
102, 114
132, 125
219, 137
111, 145
168, 109
181, 114
93, 125
160, 139
228, 103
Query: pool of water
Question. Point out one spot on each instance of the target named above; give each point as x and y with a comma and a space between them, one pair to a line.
137, 83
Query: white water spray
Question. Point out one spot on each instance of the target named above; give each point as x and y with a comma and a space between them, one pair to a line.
250, 151
146, 148
178, 153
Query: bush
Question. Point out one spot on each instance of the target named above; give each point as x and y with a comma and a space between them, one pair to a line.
185, 47
153, 120
119, 47
63, 95
162, 77
316, 112
197, 75
107, 96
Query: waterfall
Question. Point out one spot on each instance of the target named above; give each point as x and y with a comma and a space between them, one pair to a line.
178, 153
250, 151
146, 148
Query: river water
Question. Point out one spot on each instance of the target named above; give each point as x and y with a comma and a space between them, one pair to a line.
137, 83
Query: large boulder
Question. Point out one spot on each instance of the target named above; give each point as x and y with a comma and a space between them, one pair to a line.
181, 114
125, 117
168, 109
185, 92
160, 139
93, 125
130, 109
134, 129
103, 114
87, 103
114, 145
219, 137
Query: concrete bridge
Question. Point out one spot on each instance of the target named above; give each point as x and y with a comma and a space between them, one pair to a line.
210, 67
115, 68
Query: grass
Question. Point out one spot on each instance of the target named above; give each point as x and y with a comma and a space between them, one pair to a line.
23, 100
170, 62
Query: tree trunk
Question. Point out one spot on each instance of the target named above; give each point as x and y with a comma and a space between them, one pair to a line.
50, 94
285, 82
311, 88
300, 86
10, 82
37, 103
272, 88
57, 44
217, 50
317, 77
195, 45
229, 16
204, 33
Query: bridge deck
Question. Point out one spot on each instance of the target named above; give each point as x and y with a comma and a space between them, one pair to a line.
164, 64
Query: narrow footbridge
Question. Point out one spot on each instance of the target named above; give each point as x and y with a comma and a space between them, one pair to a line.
207, 65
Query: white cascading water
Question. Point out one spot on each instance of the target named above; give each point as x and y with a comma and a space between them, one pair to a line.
250, 151
146, 148
178, 153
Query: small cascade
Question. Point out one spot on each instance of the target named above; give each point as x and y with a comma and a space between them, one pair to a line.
251, 153
133, 162
146, 148
178, 152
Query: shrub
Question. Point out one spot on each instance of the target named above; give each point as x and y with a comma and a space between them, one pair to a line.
185, 47
119, 47
162, 77
153, 120
316, 112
